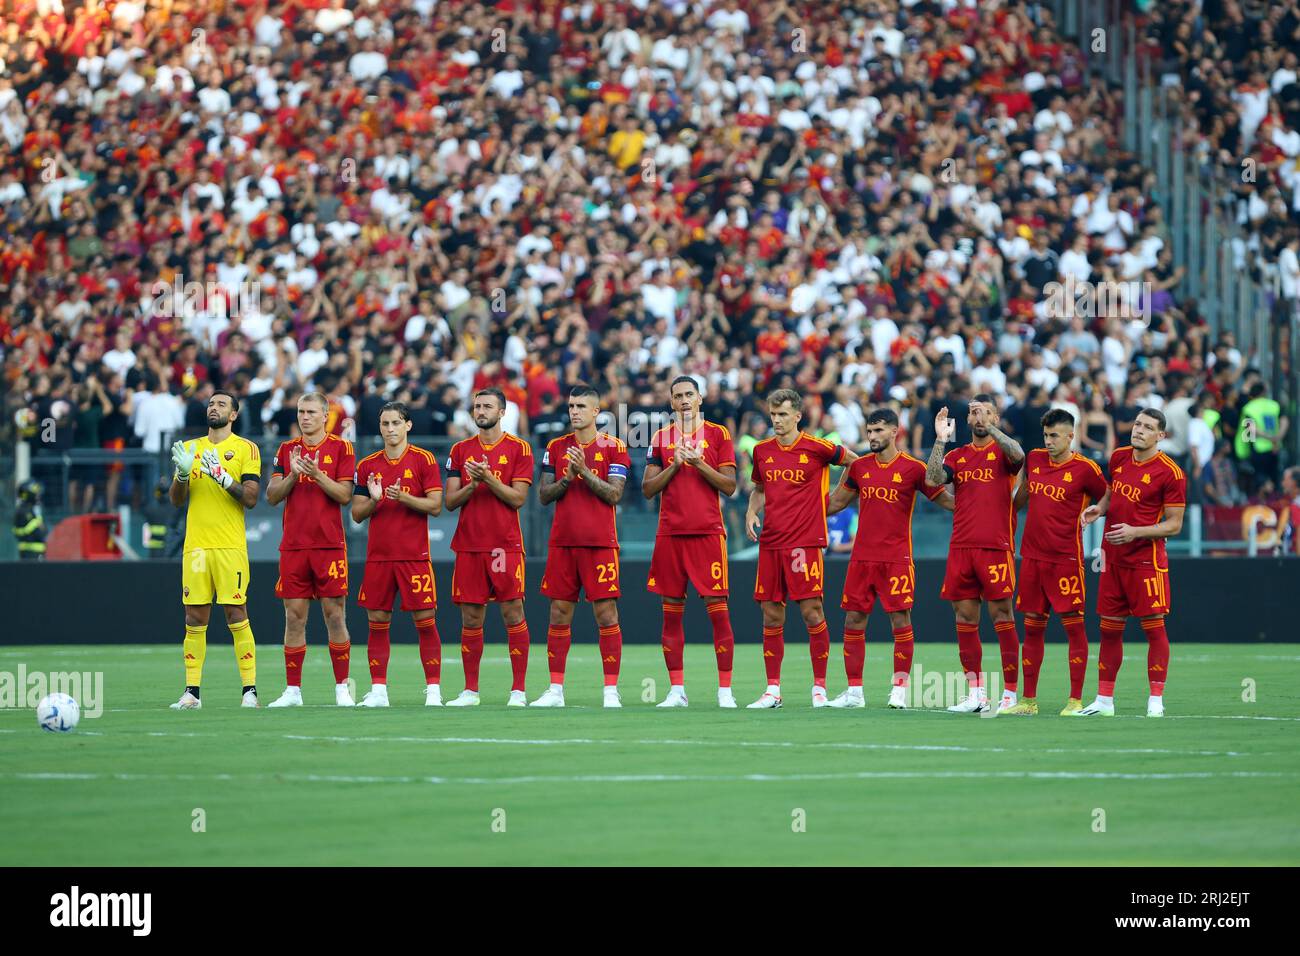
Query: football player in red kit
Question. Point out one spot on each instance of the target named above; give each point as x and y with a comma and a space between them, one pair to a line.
885, 485
1143, 506
691, 463
1057, 485
583, 475
981, 565
791, 475
313, 476
403, 489
487, 480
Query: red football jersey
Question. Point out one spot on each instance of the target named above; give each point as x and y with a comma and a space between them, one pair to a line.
886, 499
486, 522
795, 482
689, 504
312, 520
581, 519
1058, 494
1139, 494
982, 483
398, 533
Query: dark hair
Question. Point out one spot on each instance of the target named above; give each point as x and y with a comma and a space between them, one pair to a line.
234, 402
583, 390
495, 392
688, 379
1057, 416
1155, 415
399, 407
986, 398
886, 416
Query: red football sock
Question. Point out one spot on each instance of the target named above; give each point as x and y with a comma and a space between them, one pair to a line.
471, 654
819, 648
855, 655
1110, 657
674, 640
377, 650
339, 654
517, 644
970, 652
430, 649
1157, 654
558, 638
903, 647
1077, 634
611, 652
1035, 639
293, 657
773, 653
724, 641
1009, 645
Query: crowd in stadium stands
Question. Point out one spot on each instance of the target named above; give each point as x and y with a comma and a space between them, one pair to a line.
1232, 68
867, 201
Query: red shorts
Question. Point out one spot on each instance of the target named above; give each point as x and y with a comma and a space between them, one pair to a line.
569, 571
313, 574
698, 558
974, 573
788, 574
1132, 592
384, 580
482, 576
894, 582
1049, 586
115, 444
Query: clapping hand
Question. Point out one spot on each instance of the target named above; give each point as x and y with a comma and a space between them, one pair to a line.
375, 485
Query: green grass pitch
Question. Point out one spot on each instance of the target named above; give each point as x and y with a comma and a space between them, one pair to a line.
1215, 783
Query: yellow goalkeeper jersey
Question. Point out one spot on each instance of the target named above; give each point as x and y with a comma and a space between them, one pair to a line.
215, 519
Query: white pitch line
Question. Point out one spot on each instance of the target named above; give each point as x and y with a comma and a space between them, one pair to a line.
785, 744
658, 777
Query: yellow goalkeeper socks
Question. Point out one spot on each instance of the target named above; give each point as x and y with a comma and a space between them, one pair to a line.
196, 648
245, 652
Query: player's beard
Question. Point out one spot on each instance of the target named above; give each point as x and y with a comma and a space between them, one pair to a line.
485, 425
217, 421
876, 446
979, 431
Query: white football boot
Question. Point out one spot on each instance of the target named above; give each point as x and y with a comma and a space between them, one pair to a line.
377, 696
898, 698
819, 696
292, 697
249, 699
676, 698
976, 702
187, 702
852, 697
517, 699
466, 698
770, 700
1098, 708
432, 696
552, 697
1155, 706
726, 699
343, 695
611, 698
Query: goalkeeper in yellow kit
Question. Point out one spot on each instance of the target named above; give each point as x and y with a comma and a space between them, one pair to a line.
219, 476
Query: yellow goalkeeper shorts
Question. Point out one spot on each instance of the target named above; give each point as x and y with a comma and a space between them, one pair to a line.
220, 573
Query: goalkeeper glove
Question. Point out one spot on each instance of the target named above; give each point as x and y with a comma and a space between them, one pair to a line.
210, 465
183, 459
